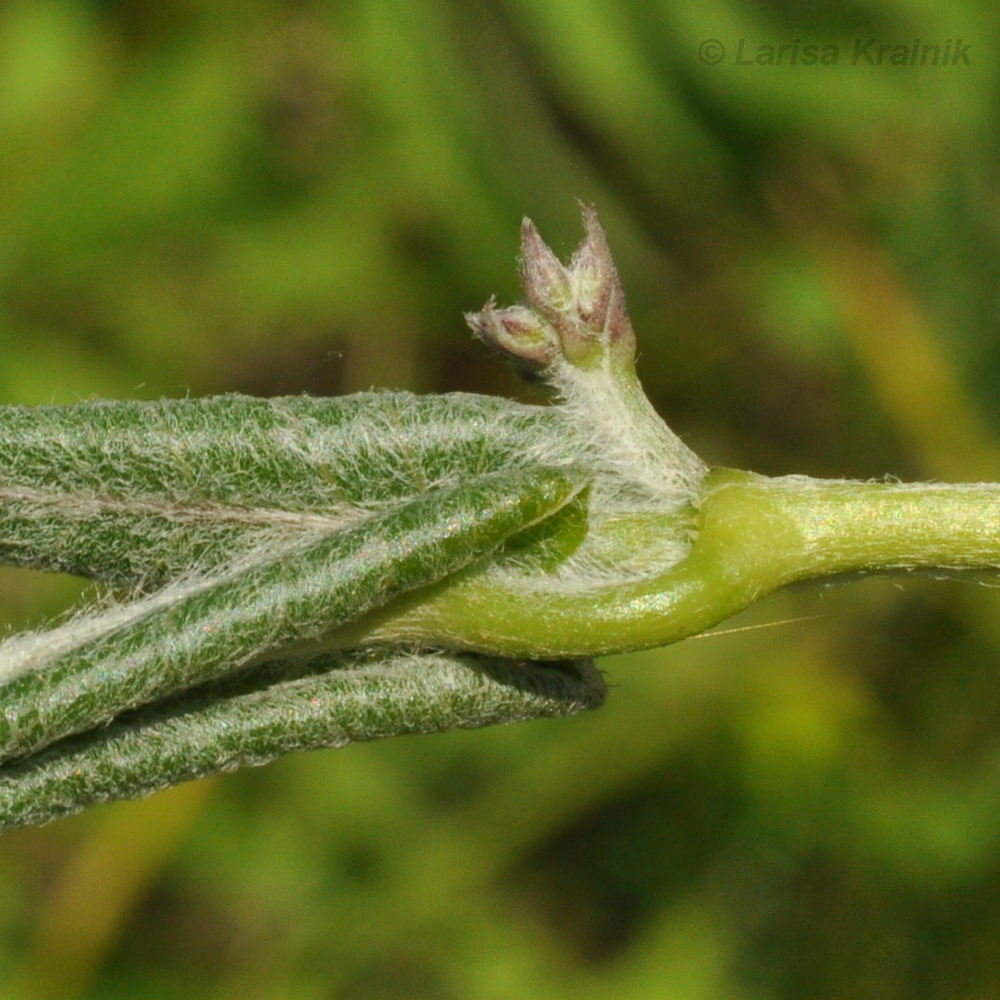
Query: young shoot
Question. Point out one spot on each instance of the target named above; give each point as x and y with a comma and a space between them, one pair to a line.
300, 573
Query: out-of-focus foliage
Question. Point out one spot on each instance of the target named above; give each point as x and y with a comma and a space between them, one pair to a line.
304, 196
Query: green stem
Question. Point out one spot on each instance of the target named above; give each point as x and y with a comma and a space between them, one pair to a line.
754, 535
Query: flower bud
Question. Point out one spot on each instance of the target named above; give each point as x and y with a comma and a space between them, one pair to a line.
576, 313
544, 279
516, 331
575, 333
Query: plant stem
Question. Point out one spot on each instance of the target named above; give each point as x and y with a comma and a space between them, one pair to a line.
754, 535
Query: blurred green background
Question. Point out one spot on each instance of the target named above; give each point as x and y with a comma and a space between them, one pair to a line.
305, 196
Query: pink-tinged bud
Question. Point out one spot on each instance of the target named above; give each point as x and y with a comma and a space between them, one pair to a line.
516, 331
597, 290
576, 312
544, 279
575, 333
592, 270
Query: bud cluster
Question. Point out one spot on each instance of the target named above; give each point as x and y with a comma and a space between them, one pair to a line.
575, 313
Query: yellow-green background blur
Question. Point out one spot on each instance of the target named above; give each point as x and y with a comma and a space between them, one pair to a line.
274, 198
